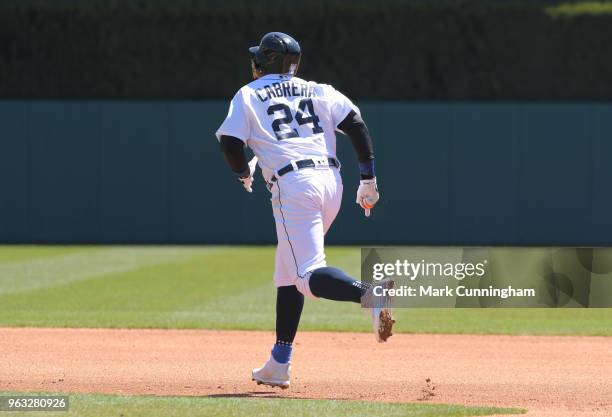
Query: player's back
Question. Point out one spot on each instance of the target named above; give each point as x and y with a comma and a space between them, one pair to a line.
288, 119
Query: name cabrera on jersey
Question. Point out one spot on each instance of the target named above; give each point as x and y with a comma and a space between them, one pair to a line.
284, 89
283, 118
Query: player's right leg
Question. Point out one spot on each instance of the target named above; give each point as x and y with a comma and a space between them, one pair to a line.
303, 211
333, 284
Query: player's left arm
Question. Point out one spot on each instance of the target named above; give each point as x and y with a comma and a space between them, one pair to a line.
233, 151
233, 136
355, 128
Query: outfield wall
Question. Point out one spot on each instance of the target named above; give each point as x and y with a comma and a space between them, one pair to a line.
450, 173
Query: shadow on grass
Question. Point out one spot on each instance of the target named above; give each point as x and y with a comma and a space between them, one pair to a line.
270, 394
250, 394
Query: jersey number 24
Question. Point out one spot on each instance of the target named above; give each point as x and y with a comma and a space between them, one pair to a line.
305, 115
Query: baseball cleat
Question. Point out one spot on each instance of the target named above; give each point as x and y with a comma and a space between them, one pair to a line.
382, 323
380, 307
273, 374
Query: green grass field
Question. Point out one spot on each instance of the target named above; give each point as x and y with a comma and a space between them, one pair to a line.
150, 406
226, 288
219, 288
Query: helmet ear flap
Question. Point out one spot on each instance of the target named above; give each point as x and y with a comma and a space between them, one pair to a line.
261, 58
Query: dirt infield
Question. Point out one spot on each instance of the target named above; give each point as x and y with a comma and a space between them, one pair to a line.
549, 376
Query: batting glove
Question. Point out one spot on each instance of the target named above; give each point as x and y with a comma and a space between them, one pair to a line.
367, 195
247, 180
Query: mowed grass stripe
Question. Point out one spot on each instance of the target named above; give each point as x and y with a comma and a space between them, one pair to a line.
232, 288
12, 253
251, 303
180, 293
27, 274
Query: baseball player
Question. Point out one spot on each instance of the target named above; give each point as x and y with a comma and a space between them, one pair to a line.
290, 125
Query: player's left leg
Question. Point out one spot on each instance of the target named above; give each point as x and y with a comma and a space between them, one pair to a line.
289, 305
276, 371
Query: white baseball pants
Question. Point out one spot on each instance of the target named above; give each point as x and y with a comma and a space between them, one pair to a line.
305, 204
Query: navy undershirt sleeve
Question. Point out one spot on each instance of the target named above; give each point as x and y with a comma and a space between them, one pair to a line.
233, 150
355, 128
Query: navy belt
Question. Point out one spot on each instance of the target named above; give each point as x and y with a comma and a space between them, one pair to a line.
304, 163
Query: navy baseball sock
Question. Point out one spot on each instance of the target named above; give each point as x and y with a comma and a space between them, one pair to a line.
334, 284
289, 304
281, 352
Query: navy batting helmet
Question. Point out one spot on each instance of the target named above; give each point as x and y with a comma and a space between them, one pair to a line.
277, 53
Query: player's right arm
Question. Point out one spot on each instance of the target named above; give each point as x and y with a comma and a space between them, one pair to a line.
355, 128
348, 121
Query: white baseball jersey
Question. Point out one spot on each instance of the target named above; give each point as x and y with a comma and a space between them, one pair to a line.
284, 118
